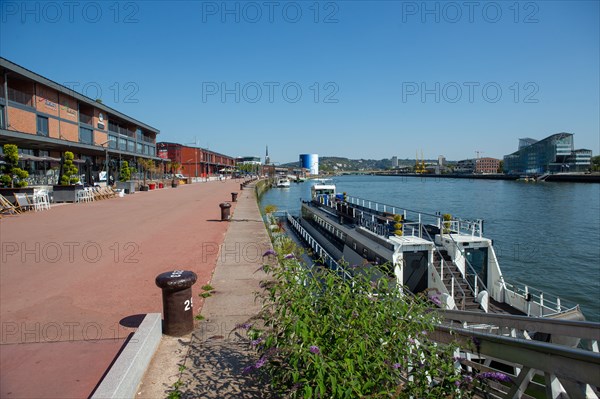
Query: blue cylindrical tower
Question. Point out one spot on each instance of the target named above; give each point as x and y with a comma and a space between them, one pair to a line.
310, 162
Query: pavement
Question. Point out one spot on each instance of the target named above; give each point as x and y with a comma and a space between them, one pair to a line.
209, 362
76, 280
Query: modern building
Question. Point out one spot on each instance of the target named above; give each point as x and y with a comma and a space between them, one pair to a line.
45, 119
553, 154
394, 162
486, 165
441, 161
196, 162
465, 166
310, 162
248, 160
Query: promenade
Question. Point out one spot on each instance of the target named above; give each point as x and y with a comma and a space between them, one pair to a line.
76, 280
209, 363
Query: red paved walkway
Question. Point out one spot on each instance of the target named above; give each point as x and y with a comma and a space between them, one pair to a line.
70, 275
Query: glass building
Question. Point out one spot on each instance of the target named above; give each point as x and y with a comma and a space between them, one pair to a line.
553, 154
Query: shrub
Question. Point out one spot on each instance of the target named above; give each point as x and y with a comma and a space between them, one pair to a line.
125, 172
70, 171
398, 225
447, 218
12, 175
325, 337
270, 209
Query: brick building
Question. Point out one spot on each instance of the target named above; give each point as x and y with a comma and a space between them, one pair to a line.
45, 119
487, 165
195, 161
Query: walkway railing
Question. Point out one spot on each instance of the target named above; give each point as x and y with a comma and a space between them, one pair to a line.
566, 370
321, 253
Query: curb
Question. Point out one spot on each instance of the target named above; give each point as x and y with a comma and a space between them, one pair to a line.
124, 376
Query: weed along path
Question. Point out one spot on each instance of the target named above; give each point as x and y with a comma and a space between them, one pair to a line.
76, 280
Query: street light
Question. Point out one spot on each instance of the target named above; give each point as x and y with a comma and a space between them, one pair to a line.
195, 155
106, 161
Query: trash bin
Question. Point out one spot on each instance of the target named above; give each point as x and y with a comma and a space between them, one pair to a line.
178, 310
234, 197
225, 210
241, 186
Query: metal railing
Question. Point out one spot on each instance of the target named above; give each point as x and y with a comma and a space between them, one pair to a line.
454, 286
547, 303
472, 278
566, 370
322, 254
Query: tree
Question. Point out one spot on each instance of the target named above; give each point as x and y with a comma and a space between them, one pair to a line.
501, 167
596, 163
12, 175
70, 171
125, 172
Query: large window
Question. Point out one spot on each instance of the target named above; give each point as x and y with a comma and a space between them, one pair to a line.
112, 142
42, 126
2, 117
86, 136
139, 148
130, 146
122, 144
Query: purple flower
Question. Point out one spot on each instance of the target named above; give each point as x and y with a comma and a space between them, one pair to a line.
477, 343
261, 362
248, 369
245, 326
289, 256
467, 379
396, 365
269, 252
436, 299
496, 376
314, 349
412, 341
256, 341
457, 383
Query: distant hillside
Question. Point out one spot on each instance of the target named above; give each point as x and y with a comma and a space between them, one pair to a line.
340, 164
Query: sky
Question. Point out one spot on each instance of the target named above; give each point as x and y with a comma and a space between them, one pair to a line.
355, 79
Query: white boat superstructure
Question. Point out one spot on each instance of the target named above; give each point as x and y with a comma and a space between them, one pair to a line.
283, 182
447, 257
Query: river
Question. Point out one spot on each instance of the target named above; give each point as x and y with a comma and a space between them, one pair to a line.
546, 235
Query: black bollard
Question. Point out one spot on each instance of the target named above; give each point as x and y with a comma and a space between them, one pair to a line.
225, 210
178, 310
241, 186
234, 197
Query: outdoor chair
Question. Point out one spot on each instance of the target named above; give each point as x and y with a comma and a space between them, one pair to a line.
22, 202
41, 200
6, 207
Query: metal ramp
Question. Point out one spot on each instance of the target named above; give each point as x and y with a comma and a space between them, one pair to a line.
568, 366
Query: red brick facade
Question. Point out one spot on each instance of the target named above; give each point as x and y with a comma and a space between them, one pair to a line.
487, 165
195, 162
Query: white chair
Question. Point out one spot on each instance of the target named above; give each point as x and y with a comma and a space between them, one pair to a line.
41, 200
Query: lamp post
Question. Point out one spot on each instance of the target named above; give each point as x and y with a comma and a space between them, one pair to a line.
195, 156
105, 145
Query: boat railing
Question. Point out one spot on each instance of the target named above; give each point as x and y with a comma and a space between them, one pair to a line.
321, 253
384, 209
538, 303
471, 276
473, 228
455, 287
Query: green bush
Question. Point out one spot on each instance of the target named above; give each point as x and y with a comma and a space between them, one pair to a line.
447, 218
125, 172
12, 175
324, 337
70, 171
398, 224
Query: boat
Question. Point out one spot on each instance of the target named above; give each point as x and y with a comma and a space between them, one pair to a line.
447, 258
283, 182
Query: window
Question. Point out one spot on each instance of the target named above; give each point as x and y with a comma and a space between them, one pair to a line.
86, 135
42, 126
122, 144
139, 148
112, 142
152, 151
130, 146
2, 117
138, 134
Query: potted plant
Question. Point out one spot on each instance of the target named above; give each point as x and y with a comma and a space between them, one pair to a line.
125, 183
398, 225
66, 191
13, 178
144, 165
174, 166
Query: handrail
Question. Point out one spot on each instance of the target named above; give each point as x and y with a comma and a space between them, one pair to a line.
317, 247
542, 296
572, 328
478, 283
442, 263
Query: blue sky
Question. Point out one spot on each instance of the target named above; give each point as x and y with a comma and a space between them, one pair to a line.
348, 78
